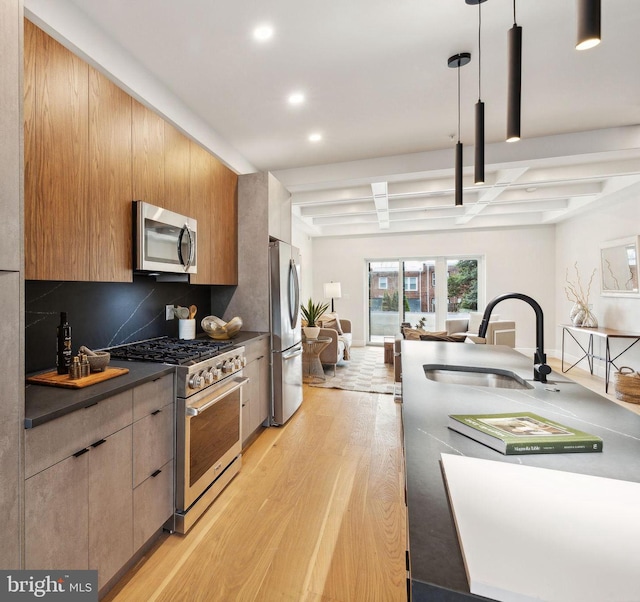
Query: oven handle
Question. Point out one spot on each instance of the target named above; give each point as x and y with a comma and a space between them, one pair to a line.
195, 410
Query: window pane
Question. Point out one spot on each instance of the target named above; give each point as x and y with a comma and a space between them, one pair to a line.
462, 287
419, 294
383, 300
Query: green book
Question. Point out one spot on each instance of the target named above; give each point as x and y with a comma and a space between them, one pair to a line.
523, 433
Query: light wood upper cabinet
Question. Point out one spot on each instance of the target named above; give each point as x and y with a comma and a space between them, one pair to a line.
147, 130
110, 194
177, 157
214, 205
224, 239
56, 196
90, 150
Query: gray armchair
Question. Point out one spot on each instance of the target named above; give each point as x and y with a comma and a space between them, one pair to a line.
340, 345
499, 332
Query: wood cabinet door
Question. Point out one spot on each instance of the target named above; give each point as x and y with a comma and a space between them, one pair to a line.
224, 225
110, 498
152, 443
177, 157
108, 240
56, 159
11, 128
147, 131
56, 516
202, 203
152, 505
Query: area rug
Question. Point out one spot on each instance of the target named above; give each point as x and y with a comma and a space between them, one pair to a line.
365, 371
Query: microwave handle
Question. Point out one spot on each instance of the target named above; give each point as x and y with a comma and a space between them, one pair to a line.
192, 248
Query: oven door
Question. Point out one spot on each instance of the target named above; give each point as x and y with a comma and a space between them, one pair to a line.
209, 438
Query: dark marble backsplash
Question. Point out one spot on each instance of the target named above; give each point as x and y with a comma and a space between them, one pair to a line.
104, 314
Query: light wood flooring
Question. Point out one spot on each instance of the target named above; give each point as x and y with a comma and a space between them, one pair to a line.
317, 513
594, 383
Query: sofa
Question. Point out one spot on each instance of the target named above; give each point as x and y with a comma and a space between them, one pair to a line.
499, 332
339, 331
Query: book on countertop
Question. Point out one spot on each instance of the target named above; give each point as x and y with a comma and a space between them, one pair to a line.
523, 433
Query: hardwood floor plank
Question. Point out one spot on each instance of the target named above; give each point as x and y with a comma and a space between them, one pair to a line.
316, 513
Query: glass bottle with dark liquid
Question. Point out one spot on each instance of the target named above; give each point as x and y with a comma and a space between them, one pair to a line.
63, 356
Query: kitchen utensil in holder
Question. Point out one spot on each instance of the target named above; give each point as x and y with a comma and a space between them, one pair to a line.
187, 329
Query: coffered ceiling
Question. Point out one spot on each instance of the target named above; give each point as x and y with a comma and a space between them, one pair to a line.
377, 88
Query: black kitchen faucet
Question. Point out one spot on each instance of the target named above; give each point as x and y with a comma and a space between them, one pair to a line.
540, 367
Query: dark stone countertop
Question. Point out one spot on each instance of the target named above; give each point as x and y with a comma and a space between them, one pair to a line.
437, 568
44, 403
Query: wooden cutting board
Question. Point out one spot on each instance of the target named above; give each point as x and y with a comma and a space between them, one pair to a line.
54, 379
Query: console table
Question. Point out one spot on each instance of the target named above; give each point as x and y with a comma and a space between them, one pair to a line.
604, 333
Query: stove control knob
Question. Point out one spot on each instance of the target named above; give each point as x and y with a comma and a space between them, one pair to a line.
196, 381
237, 363
208, 378
217, 373
244, 361
227, 367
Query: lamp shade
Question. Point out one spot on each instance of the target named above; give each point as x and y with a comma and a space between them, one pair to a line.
332, 290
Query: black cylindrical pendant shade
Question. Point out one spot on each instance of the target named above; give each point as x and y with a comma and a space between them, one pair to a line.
588, 24
458, 173
479, 158
514, 91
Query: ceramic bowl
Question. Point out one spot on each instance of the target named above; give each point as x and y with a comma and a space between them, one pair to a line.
219, 329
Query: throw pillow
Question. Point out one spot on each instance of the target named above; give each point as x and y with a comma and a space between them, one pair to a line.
331, 320
475, 318
414, 334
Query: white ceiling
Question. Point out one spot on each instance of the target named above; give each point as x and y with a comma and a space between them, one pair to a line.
378, 88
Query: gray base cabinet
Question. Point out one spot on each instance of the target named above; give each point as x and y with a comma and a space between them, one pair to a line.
100, 481
256, 400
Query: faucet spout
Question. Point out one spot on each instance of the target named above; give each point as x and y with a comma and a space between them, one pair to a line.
540, 367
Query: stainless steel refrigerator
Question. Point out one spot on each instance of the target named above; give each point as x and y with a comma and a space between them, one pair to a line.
286, 333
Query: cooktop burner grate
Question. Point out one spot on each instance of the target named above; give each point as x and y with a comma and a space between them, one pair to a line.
170, 351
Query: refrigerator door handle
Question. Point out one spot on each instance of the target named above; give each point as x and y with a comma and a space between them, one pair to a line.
294, 291
293, 353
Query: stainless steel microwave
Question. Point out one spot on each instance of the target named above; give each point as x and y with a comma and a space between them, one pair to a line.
164, 241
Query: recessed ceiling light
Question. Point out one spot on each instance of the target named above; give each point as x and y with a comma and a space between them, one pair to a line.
296, 98
531, 189
263, 32
315, 137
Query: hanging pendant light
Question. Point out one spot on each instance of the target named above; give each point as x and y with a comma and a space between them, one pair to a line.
478, 173
455, 62
589, 15
514, 89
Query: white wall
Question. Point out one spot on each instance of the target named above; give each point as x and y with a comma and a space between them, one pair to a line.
517, 260
304, 242
579, 239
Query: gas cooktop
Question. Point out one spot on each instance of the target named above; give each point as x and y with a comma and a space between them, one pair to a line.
167, 350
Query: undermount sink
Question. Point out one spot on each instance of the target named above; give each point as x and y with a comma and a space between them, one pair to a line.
475, 377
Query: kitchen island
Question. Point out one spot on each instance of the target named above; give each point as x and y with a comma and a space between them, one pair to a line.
436, 564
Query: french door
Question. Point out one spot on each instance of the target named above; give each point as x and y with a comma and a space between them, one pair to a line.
423, 293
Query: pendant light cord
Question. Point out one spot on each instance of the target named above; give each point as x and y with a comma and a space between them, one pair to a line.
480, 49
458, 69
514, 12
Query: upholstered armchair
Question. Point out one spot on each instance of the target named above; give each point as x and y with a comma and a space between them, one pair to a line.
499, 332
339, 331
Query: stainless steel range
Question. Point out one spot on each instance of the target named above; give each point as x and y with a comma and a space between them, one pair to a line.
209, 382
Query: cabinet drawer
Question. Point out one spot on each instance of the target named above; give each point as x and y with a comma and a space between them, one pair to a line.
58, 439
254, 349
152, 396
152, 443
152, 505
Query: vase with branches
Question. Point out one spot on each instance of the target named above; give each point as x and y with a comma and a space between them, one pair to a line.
581, 314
